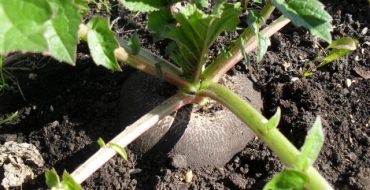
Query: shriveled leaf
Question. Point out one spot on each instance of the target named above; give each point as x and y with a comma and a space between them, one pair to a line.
69, 183
311, 147
334, 55
119, 149
263, 44
101, 142
197, 31
309, 14
362, 72
22, 25
347, 43
62, 31
134, 44
287, 180
102, 43
52, 178
160, 23
253, 20
274, 120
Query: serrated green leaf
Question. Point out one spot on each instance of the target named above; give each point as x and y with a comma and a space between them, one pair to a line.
287, 180
134, 44
311, 147
197, 31
263, 44
61, 31
22, 25
102, 43
347, 43
274, 120
52, 178
69, 183
253, 20
309, 14
101, 142
119, 149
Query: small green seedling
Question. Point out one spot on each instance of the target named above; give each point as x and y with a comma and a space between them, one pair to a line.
67, 183
335, 50
120, 150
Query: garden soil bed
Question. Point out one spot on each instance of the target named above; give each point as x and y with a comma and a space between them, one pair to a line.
65, 109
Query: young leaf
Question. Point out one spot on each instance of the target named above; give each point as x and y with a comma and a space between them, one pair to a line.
287, 180
134, 44
311, 147
334, 55
101, 142
120, 150
83, 6
253, 20
52, 178
347, 43
247, 59
69, 183
201, 3
309, 14
274, 120
197, 32
263, 44
102, 43
61, 31
22, 25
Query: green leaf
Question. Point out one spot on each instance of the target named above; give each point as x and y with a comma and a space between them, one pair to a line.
308, 74
145, 5
201, 3
257, 1
119, 149
14, 115
263, 44
334, 55
134, 44
52, 178
287, 180
69, 183
22, 25
274, 120
83, 6
245, 55
347, 43
102, 43
160, 23
253, 20
101, 142
197, 31
61, 32
309, 14
2, 77
311, 147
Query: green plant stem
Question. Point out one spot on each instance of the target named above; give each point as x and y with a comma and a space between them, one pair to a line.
248, 39
131, 133
273, 138
147, 62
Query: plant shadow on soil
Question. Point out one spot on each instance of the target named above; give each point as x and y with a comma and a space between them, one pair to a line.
68, 108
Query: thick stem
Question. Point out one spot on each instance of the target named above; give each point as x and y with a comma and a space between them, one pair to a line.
273, 138
225, 62
130, 134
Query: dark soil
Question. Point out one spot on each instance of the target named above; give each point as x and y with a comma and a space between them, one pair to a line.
67, 108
